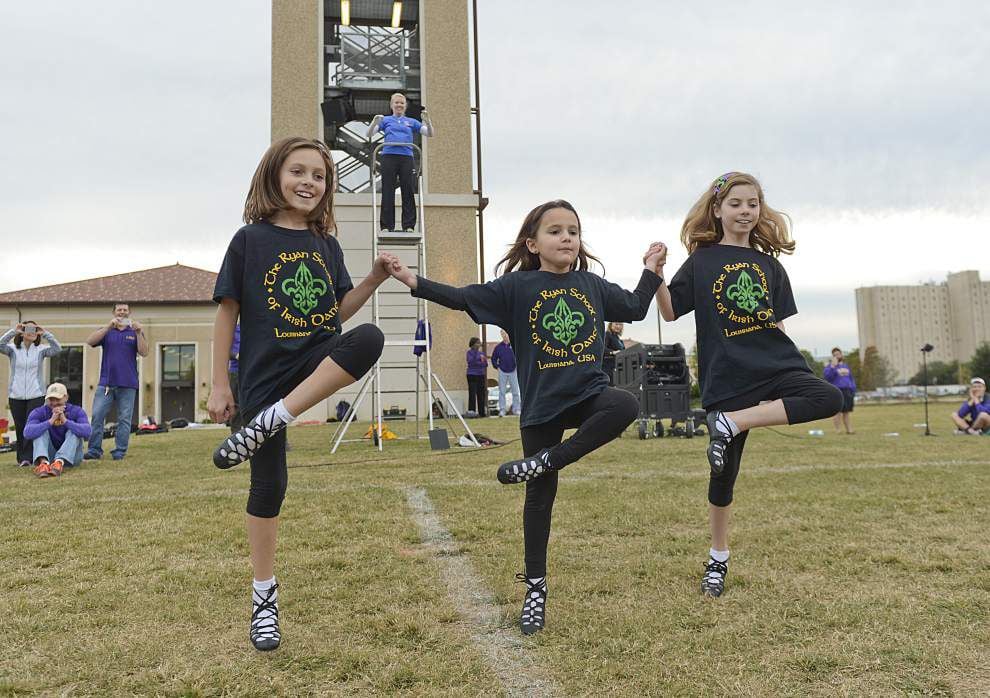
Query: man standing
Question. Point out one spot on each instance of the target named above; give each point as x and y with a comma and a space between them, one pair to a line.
122, 340
57, 431
504, 359
837, 373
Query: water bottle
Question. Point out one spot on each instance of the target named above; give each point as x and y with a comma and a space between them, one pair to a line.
816, 432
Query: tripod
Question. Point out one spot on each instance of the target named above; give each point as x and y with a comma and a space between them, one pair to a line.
925, 350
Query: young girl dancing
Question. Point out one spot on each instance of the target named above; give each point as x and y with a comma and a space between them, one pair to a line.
284, 275
553, 309
751, 373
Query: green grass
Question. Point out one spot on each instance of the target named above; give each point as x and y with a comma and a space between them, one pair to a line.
848, 577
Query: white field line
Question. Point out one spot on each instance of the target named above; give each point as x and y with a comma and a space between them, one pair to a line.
508, 656
579, 472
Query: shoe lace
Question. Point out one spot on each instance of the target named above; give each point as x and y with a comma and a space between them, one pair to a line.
715, 571
536, 599
264, 618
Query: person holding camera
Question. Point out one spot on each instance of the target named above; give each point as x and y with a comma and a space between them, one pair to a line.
122, 340
57, 431
973, 417
398, 161
838, 373
26, 390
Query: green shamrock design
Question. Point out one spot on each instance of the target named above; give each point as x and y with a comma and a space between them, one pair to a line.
563, 322
304, 289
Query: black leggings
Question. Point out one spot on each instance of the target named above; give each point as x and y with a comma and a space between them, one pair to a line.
402, 167
806, 398
19, 410
477, 394
356, 352
598, 419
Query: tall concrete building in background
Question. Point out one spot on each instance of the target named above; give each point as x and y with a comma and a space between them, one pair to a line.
334, 66
954, 316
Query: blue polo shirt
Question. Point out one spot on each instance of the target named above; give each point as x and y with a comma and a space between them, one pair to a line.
118, 369
399, 129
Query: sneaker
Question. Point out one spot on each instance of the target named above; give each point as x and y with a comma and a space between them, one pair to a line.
245, 442
408, 230
534, 611
92, 456
42, 469
525, 469
24, 464
718, 442
55, 469
713, 583
117, 456
265, 635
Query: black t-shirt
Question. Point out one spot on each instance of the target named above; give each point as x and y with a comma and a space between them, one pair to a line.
289, 284
738, 295
556, 324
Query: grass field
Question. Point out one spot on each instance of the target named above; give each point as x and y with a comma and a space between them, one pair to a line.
860, 566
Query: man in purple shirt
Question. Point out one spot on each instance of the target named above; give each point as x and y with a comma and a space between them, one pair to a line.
838, 374
477, 367
122, 340
504, 359
973, 417
57, 431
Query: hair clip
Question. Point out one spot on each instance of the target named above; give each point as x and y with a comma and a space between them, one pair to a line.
720, 182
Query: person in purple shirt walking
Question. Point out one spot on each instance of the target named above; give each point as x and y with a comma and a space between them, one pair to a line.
57, 431
504, 359
477, 367
122, 340
837, 373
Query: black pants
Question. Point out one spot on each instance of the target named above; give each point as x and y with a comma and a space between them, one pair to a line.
402, 167
356, 352
20, 409
599, 419
477, 394
806, 398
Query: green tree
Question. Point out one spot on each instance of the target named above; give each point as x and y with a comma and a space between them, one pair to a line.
979, 365
875, 371
855, 366
816, 366
939, 373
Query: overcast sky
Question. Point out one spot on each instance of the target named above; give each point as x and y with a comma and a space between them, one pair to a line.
130, 130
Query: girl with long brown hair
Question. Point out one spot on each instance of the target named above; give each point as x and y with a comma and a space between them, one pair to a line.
553, 309
740, 295
284, 276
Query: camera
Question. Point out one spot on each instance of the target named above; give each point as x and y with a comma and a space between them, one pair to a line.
30, 328
124, 321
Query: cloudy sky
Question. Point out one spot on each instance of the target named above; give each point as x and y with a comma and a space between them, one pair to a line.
130, 131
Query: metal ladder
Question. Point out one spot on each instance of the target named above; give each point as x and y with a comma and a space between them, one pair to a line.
373, 382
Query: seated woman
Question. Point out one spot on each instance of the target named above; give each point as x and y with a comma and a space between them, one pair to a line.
399, 162
973, 417
58, 431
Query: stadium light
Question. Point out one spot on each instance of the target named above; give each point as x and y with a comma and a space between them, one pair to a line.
345, 13
396, 13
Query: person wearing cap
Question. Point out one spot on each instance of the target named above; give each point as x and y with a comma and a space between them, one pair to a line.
58, 431
973, 417
22, 345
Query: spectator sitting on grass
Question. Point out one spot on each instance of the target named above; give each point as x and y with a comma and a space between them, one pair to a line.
58, 431
974, 415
